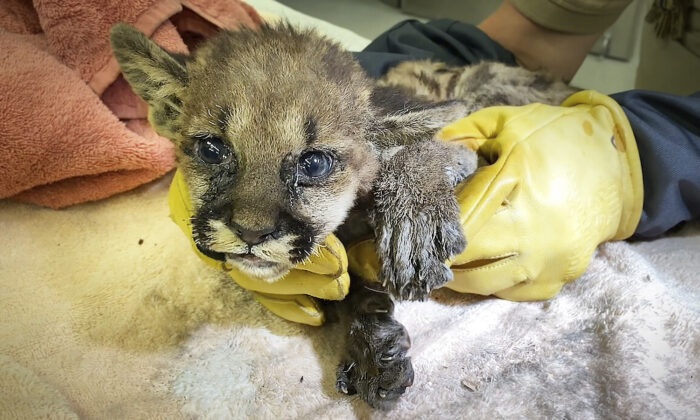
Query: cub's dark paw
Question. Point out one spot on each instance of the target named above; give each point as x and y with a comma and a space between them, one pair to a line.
413, 251
377, 366
416, 217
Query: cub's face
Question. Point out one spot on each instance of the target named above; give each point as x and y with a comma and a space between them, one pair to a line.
270, 129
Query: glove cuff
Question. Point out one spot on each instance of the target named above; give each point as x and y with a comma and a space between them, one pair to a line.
625, 144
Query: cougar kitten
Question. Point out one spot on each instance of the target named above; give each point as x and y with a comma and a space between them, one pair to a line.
282, 139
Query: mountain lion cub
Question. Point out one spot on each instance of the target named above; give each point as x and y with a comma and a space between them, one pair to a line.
280, 136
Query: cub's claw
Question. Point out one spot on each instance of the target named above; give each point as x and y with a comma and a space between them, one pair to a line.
411, 269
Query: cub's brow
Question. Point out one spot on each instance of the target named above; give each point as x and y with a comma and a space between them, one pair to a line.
310, 130
223, 117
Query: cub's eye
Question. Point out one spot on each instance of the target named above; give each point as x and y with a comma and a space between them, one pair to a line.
315, 164
213, 151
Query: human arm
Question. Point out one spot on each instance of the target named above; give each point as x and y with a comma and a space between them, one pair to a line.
667, 132
550, 35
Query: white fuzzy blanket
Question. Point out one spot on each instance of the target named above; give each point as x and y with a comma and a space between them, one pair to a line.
621, 342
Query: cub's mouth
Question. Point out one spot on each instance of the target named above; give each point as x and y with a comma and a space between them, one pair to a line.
219, 256
250, 259
259, 267
249, 263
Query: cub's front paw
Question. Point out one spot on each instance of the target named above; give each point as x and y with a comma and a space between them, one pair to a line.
413, 251
377, 367
416, 217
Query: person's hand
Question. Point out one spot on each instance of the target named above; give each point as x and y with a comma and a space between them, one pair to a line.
323, 275
559, 181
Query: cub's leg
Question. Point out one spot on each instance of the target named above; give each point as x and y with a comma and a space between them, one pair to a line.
376, 365
416, 217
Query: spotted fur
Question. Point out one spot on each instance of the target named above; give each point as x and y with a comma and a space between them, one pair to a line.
478, 86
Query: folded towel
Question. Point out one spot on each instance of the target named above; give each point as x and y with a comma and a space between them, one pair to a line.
71, 130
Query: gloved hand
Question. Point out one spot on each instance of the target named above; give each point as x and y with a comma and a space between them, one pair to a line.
559, 181
323, 275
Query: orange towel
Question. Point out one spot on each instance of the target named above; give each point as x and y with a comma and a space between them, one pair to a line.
71, 130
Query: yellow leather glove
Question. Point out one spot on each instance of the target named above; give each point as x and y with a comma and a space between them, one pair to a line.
560, 181
323, 275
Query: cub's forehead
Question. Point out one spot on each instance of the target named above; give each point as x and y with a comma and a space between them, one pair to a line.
276, 87
255, 91
262, 88
280, 59
257, 111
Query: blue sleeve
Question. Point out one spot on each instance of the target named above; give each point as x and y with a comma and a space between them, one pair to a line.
445, 40
667, 130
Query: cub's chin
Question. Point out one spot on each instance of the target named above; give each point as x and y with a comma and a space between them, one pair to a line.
257, 267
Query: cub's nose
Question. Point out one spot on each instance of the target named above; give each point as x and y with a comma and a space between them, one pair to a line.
254, 236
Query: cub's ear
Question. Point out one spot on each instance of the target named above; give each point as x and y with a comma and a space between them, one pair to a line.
154, 74
401, 119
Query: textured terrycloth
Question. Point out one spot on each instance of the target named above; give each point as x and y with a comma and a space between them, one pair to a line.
62, 143
77, 31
